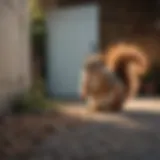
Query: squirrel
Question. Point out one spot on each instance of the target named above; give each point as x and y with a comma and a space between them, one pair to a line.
101, 88
129, 62
108, 80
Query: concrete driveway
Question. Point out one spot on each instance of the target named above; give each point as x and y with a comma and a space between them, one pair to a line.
133, 134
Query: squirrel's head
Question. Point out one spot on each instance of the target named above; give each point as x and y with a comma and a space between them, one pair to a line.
94, 62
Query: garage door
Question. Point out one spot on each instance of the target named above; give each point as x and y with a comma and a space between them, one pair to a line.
72, 32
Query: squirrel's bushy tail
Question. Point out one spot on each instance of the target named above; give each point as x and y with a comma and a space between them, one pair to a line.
129, 62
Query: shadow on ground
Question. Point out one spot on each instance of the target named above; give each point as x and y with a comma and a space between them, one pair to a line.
130, 135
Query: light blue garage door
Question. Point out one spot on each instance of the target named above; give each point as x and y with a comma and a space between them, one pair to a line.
71, 33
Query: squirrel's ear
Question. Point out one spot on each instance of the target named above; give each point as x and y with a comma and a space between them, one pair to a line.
95, 56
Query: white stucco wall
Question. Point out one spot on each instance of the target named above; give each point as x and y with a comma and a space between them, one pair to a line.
14, 48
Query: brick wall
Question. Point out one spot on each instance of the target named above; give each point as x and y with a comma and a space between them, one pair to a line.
125, 18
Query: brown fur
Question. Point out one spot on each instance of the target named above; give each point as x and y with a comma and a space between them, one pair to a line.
98, 96
129, 63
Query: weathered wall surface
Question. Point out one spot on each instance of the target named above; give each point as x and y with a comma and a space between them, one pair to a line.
126, 18
14, 49
133, 21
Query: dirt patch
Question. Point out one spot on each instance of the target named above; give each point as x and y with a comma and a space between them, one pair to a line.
19, 134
